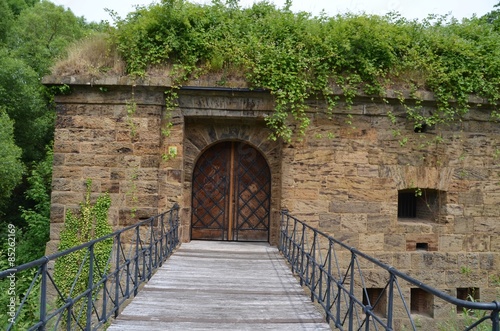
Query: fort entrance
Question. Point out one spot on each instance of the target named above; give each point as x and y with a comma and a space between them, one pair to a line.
231, 194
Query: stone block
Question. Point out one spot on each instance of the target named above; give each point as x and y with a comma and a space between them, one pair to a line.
466, 278
451, 243
489, 261
66, 147
394, 242
360, 157
57, 213
463, 225
59, 160
79, 160
434, 261
402, 261
428, 276
67, 198
354, 207
487, 225
371, 242
495, 243
477, 243
378, 223
355, 223
330, 222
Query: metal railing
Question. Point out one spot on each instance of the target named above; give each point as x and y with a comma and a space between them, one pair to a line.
335, 275
136, 252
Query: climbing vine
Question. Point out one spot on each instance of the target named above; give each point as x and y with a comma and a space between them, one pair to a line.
297, 56
71, 272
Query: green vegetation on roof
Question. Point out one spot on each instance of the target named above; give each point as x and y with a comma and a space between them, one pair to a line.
297, 56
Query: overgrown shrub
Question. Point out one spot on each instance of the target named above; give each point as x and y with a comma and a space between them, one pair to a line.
297, 56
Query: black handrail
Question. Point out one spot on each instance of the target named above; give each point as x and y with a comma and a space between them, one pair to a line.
137, 251
333, 282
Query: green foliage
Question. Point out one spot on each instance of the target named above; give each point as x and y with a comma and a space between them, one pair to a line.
33, 35
30, 313
37, 217
41, 34
91, 223
6, 18
297, 56
22, 97
11, 167
17, 6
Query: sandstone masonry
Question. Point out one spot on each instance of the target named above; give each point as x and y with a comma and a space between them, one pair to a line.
349, 176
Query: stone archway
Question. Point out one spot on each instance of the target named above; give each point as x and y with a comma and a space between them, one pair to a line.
200, 135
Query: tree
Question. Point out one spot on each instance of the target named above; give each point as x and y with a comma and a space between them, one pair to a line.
37, 217
6, 18
11, 167
41, 34
22, 98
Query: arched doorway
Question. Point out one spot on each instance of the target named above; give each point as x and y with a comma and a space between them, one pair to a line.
231, 197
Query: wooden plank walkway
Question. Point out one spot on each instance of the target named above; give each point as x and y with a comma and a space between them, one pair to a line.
212, 285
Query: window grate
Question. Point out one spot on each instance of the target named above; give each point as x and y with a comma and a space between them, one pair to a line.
407, 204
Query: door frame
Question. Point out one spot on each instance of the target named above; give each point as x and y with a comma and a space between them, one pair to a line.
199, 133
233, 208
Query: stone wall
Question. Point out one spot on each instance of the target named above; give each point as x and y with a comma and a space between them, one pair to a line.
343, 177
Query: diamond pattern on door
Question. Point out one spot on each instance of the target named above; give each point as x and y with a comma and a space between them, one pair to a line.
231, 194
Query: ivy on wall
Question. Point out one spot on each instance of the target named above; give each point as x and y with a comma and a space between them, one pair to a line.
71, 272
297, 56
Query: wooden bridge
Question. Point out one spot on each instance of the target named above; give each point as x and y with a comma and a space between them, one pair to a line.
221, 285
216, 285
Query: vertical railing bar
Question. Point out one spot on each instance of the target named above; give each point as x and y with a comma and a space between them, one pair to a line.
495, 318
43, 296
117, 275
301, 252
162, 224
313, 258
405, 305
136, 258
390, 305
104, 300
150, 271
90, 286
351, 293
328, 279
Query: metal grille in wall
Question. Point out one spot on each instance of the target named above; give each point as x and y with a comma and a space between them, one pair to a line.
231, 194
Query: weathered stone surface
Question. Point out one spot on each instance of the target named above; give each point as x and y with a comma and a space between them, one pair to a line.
342, 179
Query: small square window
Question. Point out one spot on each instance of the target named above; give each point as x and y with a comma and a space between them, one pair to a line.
421, 302
377, 298
407, 204
421, 204
467, 293
422, 246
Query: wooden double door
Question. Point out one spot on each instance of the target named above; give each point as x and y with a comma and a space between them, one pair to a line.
231, 194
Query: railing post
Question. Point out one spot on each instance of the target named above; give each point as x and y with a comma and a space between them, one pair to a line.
150, 270
295, 263
136, 269
328, 279
301, 252
162, 233
313, 263
90, 287
43, 296
117, 274
495, 317
351, 293
390, 305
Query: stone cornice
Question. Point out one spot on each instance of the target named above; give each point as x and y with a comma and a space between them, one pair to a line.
209, 84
